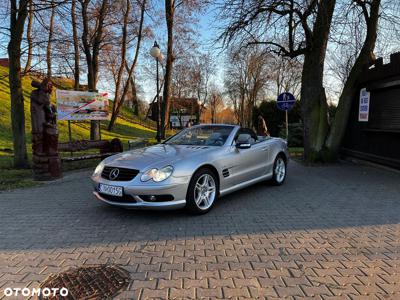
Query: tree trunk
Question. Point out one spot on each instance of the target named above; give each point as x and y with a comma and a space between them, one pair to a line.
169, 16
365, 58
242, 110
115, 110
314, 105
131, 70
135, 102
50, 40
76, 45
29, 38
17, 22
92, 51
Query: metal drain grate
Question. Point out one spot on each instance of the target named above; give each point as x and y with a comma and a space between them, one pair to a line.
87, 282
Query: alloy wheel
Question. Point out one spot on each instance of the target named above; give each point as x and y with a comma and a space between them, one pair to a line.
280, 170
204, 191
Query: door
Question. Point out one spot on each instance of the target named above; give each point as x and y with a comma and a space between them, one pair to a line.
241, 165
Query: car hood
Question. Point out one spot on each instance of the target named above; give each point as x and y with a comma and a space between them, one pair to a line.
156, 156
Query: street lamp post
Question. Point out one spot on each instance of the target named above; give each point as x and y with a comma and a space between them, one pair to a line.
156, 53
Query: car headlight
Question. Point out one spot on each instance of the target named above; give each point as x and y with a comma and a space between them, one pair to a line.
98, 169
157, 174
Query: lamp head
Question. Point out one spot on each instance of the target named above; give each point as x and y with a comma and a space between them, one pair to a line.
155, 50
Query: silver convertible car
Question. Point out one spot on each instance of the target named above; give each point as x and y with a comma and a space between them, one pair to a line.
191, 169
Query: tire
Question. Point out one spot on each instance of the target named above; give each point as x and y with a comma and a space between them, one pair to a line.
279, 171
202, 192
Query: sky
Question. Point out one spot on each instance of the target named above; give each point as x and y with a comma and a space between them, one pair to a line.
207, 29
207, 32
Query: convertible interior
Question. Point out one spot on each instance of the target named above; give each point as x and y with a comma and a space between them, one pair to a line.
247, 135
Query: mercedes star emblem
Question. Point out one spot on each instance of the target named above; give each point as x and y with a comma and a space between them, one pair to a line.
113, 174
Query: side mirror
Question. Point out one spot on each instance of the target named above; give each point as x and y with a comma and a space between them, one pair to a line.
243, 141
243, 145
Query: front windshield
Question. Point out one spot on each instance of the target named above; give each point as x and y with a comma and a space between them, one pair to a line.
207, 135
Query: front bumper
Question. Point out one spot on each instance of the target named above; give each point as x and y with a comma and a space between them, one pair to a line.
140, 204
177, 188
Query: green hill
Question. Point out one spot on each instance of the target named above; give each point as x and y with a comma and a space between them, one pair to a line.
125, 129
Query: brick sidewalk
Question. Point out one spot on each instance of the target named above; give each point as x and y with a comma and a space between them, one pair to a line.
330, 232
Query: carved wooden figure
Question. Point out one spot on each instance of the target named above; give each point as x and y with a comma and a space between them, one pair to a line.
46, 159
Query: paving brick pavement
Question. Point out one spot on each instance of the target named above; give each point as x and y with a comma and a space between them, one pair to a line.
331, 232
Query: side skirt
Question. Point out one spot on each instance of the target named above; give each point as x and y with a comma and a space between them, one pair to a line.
245, 184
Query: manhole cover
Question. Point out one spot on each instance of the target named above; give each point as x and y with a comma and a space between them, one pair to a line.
87, 282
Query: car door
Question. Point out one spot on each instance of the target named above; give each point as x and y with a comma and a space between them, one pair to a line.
241, 165
261, 151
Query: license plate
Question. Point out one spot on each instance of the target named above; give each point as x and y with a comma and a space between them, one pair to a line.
111, 190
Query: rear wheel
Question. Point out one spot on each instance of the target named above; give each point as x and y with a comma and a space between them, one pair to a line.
202, 191
279, 174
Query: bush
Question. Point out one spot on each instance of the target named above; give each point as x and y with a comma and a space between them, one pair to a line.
295, 134
275, 119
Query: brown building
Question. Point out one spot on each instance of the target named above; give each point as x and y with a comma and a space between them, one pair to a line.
4, 62
183, 112
373, 131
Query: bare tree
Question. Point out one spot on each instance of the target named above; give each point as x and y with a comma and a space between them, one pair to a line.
307, 25
134, 96
92, 38
204, 69
286, 73
119, 102
50, 39
76, 45
178, 19
170, 6
246, 77
371, 14
215, 103
121, 68
18, 14
29, 38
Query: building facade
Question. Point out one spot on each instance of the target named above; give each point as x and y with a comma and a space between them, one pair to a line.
184, 112
373, 131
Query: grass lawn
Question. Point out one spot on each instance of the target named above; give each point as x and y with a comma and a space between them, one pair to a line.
296, 152
10, 178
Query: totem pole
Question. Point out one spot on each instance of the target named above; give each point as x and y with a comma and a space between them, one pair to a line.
46, 160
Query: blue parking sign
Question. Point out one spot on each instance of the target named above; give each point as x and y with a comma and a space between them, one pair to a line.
285, 101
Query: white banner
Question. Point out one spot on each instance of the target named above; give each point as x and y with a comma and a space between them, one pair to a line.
363, 110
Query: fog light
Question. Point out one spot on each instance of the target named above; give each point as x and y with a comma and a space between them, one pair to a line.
152, 198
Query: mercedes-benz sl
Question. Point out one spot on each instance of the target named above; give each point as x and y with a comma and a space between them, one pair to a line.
191, 169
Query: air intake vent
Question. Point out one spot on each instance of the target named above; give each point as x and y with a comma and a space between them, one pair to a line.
197, 147
225, 173
118, 174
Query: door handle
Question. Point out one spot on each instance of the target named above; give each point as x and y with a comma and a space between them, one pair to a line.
265, 149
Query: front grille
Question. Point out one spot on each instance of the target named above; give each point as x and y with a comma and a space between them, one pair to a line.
124, 198
123, 174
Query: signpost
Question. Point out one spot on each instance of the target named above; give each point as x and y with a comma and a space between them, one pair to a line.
286, 102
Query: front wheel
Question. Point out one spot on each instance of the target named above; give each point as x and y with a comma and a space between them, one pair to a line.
279, 174
202, 192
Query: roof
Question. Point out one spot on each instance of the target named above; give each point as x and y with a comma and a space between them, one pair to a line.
188, 103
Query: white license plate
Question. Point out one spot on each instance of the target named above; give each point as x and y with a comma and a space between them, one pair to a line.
111, 190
